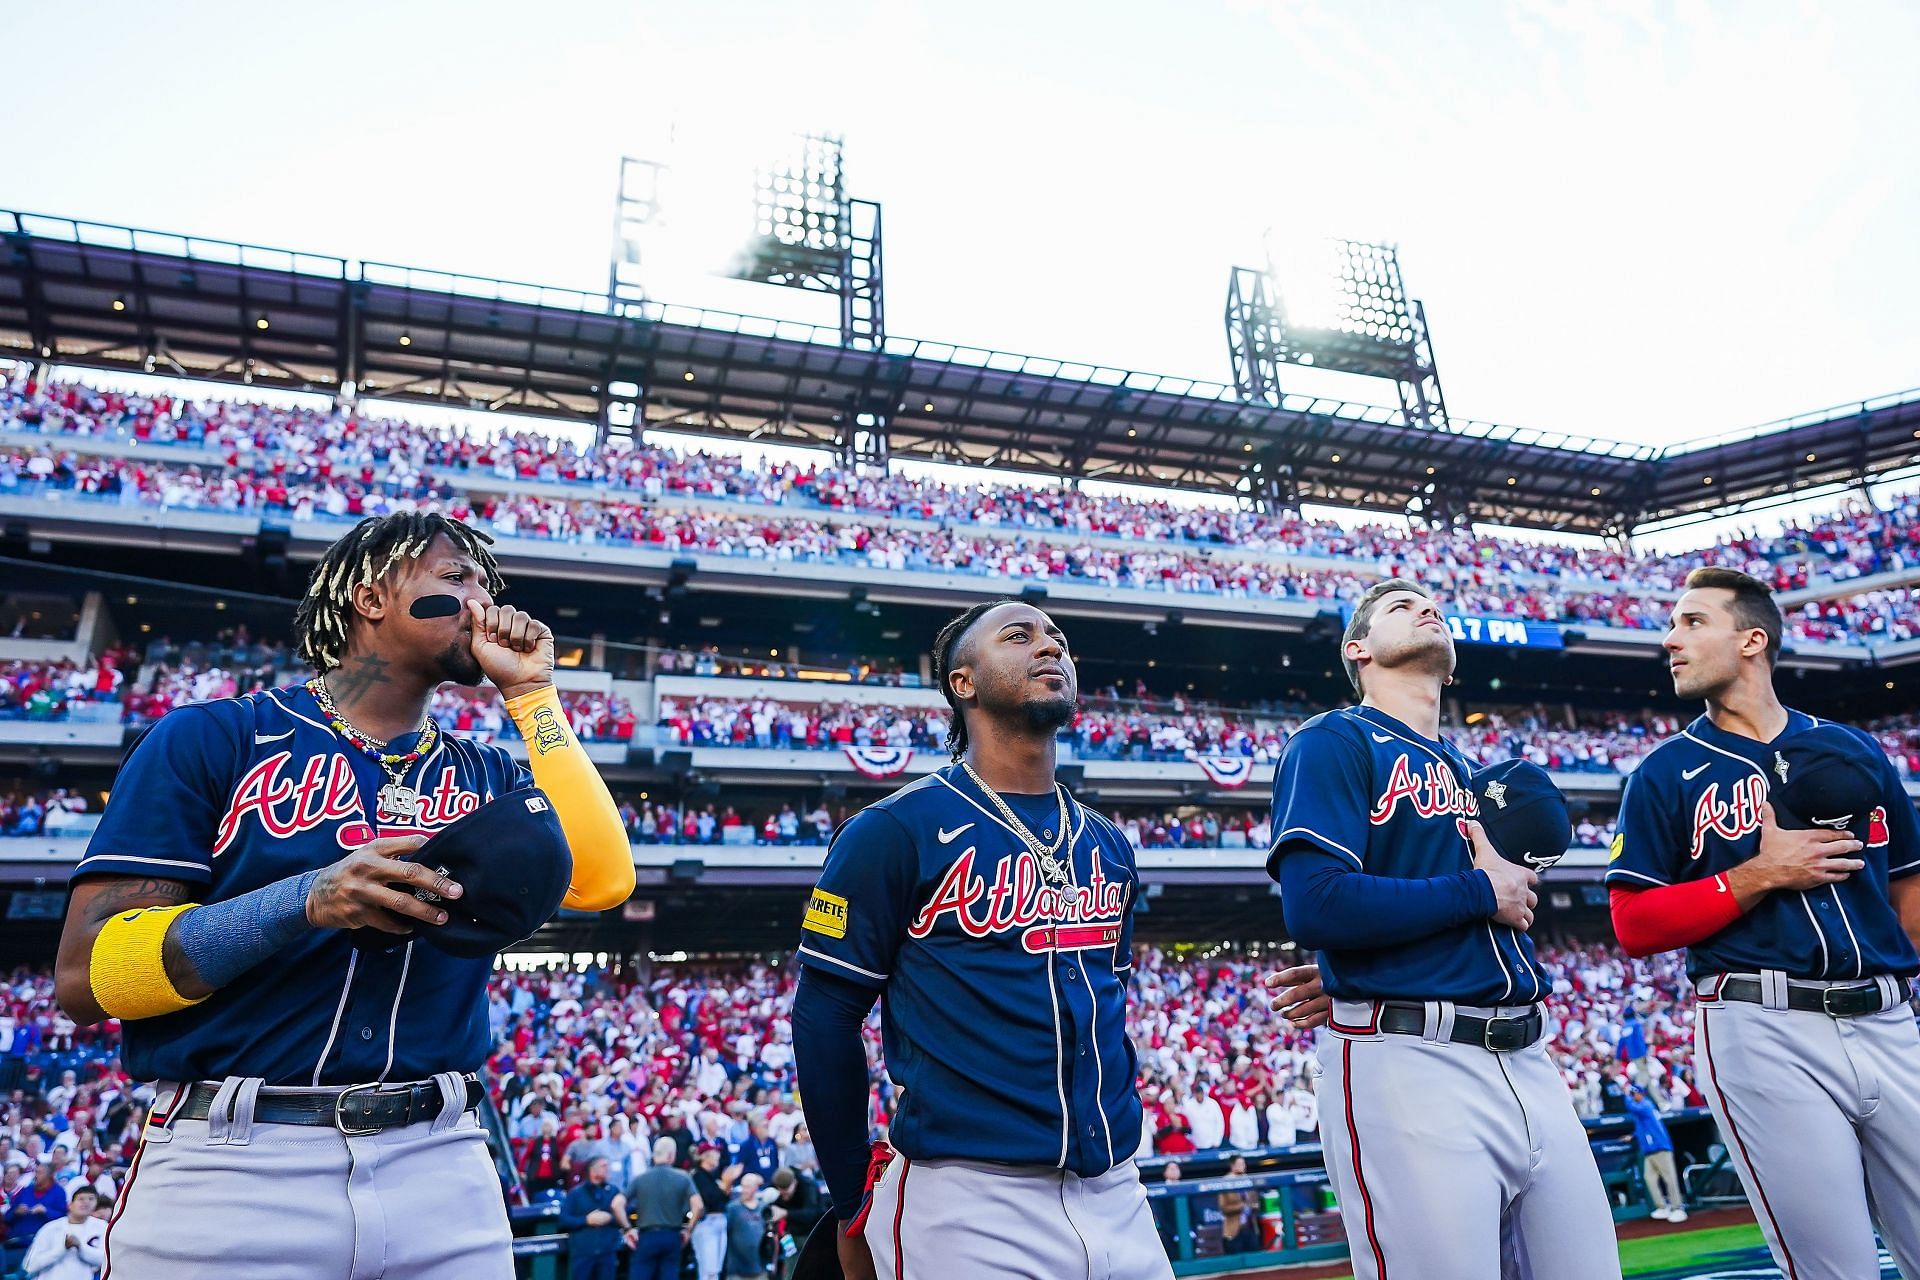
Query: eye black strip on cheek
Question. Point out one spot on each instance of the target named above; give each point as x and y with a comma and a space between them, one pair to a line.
435, 606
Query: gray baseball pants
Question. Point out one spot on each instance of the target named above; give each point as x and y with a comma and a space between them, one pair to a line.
1821, 1117
226, 1196
1451, 1162
939, 1219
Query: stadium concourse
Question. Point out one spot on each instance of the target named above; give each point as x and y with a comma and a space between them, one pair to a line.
743, 647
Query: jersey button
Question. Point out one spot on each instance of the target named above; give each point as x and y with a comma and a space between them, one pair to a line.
1072, 974
1091, 1131
366, 1033
1083, 1048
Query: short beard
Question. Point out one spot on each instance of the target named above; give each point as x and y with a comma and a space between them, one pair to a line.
1437, 658
458, 665
1050, 713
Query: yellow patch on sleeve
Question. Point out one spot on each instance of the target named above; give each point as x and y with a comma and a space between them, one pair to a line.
827, 914
1619, 847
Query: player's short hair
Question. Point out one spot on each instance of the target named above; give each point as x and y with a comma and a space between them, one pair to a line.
368, 552
1360, 625
945, 646
1754, 608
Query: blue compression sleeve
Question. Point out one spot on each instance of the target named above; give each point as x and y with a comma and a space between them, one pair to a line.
832, 1064
1330, 906
222, 940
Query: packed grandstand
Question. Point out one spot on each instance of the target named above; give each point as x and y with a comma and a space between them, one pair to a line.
317, 464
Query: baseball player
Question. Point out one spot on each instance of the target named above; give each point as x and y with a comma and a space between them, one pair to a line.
993, 912
1800, 943
1449, 1136
314, 1115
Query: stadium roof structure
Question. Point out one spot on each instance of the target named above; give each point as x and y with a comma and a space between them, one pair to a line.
108, 297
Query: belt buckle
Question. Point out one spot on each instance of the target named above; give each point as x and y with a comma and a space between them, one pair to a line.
1827, 1003
340, 1115
1518, 1026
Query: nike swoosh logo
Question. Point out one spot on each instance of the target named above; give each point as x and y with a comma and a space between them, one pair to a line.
948, 837
1694, 772
1383, 737
261, 739
1720, 884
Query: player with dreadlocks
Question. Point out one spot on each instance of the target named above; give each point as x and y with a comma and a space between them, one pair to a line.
995, 914
246, 910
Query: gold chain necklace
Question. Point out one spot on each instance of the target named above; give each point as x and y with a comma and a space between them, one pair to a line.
1051, 866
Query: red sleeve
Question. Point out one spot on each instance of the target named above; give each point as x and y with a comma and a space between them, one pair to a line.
1672, 916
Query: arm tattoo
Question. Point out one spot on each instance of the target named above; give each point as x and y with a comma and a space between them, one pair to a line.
124, 894
350, 682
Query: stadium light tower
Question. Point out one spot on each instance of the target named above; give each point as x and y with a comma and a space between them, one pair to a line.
810, 234
1333, 304
806, 233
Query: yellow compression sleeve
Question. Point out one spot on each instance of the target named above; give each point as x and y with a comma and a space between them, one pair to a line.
602, 858
128, 978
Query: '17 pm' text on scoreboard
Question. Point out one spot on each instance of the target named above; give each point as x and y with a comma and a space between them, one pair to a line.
1504, 631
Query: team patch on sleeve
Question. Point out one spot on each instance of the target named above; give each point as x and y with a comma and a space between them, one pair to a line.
1877, 828
1619, 846
826, 913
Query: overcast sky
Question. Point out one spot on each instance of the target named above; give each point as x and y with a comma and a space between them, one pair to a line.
1642, 221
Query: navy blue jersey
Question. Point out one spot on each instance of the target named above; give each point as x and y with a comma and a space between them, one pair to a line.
232, 795
1358, 786
1692, 811
1005, 999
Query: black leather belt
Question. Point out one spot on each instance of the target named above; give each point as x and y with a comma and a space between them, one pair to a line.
1835, 1002
356, 1110
1495, 1035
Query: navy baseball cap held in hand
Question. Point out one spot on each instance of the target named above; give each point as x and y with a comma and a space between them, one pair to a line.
511, 861
1524, 814
1823, 776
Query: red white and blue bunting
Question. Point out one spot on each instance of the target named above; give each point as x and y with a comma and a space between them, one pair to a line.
880, 762
1226, 771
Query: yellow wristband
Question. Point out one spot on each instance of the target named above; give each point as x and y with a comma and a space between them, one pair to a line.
541, 719
128, 977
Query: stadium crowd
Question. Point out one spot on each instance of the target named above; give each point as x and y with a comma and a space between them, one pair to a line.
659, 822
811, 726
313, 463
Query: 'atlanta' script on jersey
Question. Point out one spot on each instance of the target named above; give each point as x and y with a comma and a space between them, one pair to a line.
1434, 791
1019, 899
1729, 819
327, 792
